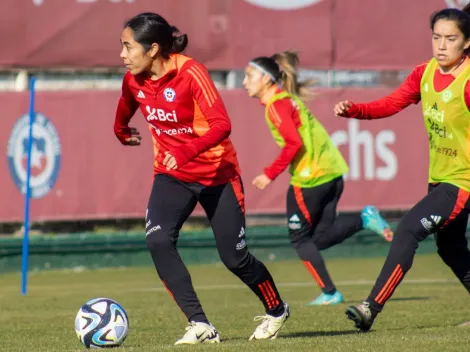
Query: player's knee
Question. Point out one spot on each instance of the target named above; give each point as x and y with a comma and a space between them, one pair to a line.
322, 243
235, 262
452, 254
411, 230
298, 237
158, 240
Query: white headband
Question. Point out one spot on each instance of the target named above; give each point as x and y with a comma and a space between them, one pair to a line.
262, 69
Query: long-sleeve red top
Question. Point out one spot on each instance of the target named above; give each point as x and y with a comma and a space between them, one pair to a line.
408, 93
285, 116
186, 117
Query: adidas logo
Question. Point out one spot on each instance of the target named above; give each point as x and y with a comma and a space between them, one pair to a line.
241, 245
428, 225
242, 232
294, 222
294, 218
434, 107
141, 95
431, 225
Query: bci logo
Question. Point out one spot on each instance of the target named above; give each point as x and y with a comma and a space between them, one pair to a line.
160, 115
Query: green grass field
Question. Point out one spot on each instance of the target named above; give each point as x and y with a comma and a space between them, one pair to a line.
424, 313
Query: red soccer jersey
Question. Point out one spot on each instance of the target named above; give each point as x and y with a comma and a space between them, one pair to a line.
408, 93
186, 117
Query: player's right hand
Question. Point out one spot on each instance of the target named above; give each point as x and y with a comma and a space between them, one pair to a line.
135, 138
341, 108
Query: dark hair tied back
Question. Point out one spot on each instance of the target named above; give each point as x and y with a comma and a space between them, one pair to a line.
149, 28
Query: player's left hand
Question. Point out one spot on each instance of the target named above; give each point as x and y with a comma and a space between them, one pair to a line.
135, 139
261, 181
170, 162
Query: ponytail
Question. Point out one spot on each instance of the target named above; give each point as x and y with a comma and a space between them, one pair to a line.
466, 9
179, 41
149, 28
288, 61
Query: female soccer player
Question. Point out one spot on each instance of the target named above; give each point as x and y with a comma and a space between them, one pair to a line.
442, 86
316, 166
195, 161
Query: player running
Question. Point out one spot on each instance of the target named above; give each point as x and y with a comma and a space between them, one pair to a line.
442, 86
195, 161
316, 165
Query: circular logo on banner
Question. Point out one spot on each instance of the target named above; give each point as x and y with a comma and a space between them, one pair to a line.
456, 3
282, 4
45, 155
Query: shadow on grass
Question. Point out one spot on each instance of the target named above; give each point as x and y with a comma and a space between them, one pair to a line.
318, 334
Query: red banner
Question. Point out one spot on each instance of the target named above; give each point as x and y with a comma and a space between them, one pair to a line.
81, 171
394, 34
224, 34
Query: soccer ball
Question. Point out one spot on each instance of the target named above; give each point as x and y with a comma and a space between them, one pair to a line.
101, 322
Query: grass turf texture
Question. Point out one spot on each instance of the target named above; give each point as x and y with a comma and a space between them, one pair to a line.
424, 313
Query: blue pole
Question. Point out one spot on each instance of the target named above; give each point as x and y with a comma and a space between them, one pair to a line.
25, 253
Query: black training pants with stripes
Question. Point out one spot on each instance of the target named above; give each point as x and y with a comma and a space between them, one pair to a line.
170, 204
444, 212
314, 225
